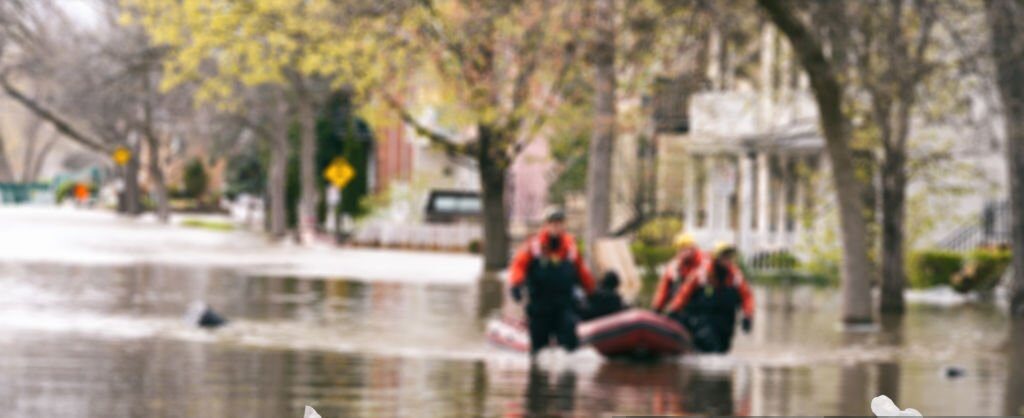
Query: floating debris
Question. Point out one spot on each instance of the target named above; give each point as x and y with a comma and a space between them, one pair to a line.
882, 406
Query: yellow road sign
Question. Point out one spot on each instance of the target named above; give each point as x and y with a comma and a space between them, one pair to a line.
340, 172
121, 155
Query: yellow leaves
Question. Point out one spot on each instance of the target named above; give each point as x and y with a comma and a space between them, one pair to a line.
223, 44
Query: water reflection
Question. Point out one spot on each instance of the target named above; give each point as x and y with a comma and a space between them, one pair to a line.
355, 348
1013, 393
545, 396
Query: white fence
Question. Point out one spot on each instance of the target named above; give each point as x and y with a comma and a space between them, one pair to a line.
454, 237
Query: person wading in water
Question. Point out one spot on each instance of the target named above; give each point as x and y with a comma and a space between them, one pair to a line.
548, 268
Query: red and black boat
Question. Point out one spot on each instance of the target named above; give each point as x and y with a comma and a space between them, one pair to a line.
635, 333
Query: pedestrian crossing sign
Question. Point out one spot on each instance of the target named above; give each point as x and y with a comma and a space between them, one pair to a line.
121, 155
339, 172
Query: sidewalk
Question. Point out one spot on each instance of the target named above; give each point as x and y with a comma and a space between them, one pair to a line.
92, 237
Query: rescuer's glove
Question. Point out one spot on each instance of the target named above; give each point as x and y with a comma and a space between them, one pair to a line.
517, 293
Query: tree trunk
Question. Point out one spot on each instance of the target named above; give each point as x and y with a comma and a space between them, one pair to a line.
1006, 18
599, 167
31, 139
493, 165
828, 93
130, 195
39, 160
156, 174
894, 187
309, 196
6, 174
277, 176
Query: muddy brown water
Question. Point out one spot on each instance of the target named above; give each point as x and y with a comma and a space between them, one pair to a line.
94, 341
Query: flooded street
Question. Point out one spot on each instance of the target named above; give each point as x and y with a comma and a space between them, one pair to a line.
111, 341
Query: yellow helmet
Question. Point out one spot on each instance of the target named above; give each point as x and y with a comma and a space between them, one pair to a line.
722, 246
684, 240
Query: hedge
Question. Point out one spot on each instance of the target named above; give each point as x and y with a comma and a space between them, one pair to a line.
930, 268
984, 268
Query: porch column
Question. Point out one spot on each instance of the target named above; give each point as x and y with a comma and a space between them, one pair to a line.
745, 201
763, 182
800, 202
690, 192
781, 192
710, 195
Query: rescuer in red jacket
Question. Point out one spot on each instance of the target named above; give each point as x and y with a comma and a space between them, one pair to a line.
707, 304
683, 267
549, 267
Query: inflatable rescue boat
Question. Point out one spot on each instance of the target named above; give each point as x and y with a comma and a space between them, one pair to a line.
631, 333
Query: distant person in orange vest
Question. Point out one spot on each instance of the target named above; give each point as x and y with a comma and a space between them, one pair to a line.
81, 193
549, 268
707, 305
684, 266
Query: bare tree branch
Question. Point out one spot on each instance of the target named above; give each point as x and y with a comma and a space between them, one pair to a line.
444, 141
63, 126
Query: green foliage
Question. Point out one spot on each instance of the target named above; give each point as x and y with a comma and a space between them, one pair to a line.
245, 174
196, 179
341, 133
659, 231
989, 265
475, 246
67, 189
652, 246
779, 260
792, 277
649, 257
985, 266
930, 268
572, 177
208, 224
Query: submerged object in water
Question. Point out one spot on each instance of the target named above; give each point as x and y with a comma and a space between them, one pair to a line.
202, 315
636, 333
953, 372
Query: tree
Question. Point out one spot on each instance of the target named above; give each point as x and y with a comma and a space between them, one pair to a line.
892, 41
225, 46
828, 94
196, 179
32, 53
1006, 18
599, 167
501, 68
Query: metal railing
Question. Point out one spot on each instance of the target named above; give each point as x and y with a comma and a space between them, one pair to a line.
992, 227
449, 237
19, 193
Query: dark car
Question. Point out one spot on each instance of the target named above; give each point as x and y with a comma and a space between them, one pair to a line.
452, 206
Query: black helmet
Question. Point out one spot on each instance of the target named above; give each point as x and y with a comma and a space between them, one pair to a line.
554, 214
610, 281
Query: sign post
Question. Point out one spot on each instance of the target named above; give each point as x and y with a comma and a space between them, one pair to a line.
339, 173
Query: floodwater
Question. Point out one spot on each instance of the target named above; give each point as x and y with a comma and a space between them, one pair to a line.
94, 341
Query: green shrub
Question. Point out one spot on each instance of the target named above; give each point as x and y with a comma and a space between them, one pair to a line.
659, 231
778, 260
196, 179
475, 247
990, 264
985, 266
208, 224
930, 268
67, 190
650, 257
